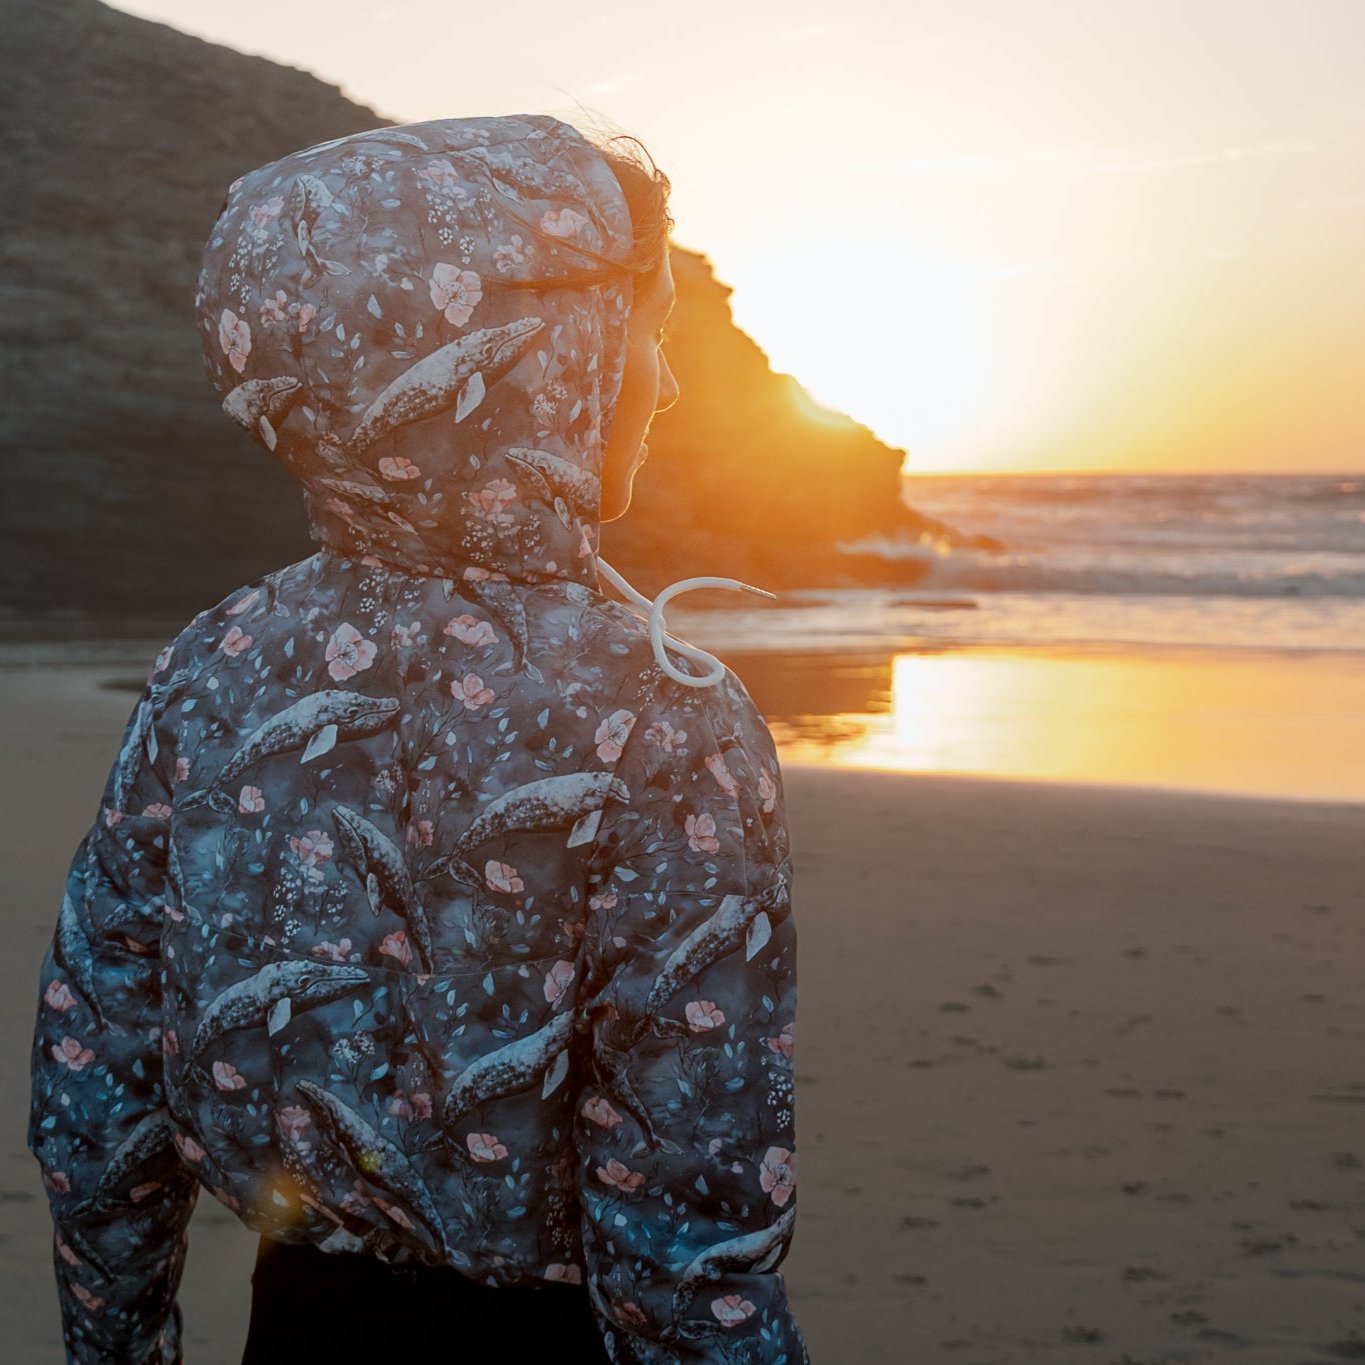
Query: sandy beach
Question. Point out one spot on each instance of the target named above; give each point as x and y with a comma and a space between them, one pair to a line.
1080, 1068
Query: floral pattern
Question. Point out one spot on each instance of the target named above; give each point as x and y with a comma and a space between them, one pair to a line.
423, 914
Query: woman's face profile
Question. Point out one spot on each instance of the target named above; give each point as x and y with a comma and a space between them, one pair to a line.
647, 387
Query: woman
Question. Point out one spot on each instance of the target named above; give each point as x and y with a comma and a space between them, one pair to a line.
435, 919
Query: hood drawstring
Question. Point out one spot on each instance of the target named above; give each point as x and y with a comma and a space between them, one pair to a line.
656, 621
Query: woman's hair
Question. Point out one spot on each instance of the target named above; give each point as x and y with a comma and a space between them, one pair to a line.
646, 189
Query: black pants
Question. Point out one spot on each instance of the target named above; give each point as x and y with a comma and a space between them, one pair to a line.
313, 1306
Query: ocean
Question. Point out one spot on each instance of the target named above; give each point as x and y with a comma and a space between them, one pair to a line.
1191, 632
1218, 561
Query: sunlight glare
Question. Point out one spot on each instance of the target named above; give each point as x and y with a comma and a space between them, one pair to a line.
920, 367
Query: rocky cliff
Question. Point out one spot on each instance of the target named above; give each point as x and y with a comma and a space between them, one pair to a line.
127, 494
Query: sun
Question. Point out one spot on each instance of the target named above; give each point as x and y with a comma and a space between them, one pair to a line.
904, 343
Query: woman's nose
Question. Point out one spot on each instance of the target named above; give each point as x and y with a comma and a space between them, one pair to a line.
668, 386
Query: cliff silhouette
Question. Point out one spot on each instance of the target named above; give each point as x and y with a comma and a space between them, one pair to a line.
128, 496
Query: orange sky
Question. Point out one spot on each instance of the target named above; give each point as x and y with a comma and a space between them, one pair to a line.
1053, 236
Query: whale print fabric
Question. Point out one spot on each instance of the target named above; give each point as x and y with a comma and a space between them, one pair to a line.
423, 914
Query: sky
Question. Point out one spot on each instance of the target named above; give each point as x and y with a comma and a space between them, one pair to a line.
1071, 235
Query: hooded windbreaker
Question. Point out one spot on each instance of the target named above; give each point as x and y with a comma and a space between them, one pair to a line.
437, 906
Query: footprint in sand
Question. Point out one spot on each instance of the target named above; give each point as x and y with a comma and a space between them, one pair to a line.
916, 1221
1266, 1246
968, 1172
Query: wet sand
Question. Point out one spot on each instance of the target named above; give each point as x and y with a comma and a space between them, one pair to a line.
1080, 1069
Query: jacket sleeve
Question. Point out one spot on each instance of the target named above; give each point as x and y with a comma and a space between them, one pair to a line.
120, 1197
685, 1128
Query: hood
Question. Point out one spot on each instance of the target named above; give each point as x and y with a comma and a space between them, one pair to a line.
426, 326
381, 313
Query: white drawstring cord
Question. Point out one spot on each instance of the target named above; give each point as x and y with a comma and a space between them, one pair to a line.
656, 622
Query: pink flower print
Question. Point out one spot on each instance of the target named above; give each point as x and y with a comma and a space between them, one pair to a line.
703, 1015
455, 292
140, 1192
599, 1111
312, 850
250, 801
440, 173
785, 1042
348, 652
557, 981
398, 467
767, 789
405, 636
563, 222
404, 1106
472, 692
182, 768
701, 833
502, 877
293, 1121
158, 810
777, 1174
568, 1274
631, 1314
396, 946
603, 900
261, 214
58, 996
234, 336
56, 1181
732, 1309
189, 1149
170, 1043
70, 1051
227, 1077
485, 1147
162, 660
273, 310
306, 313
665, 736
722, 774
624, 1179
491, 500
234, 642
470, 630
111, 817
333, 952
612, 734
420, 834
91, 1301
510, 253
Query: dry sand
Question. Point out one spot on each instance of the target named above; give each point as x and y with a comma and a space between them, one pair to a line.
1080, 1070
